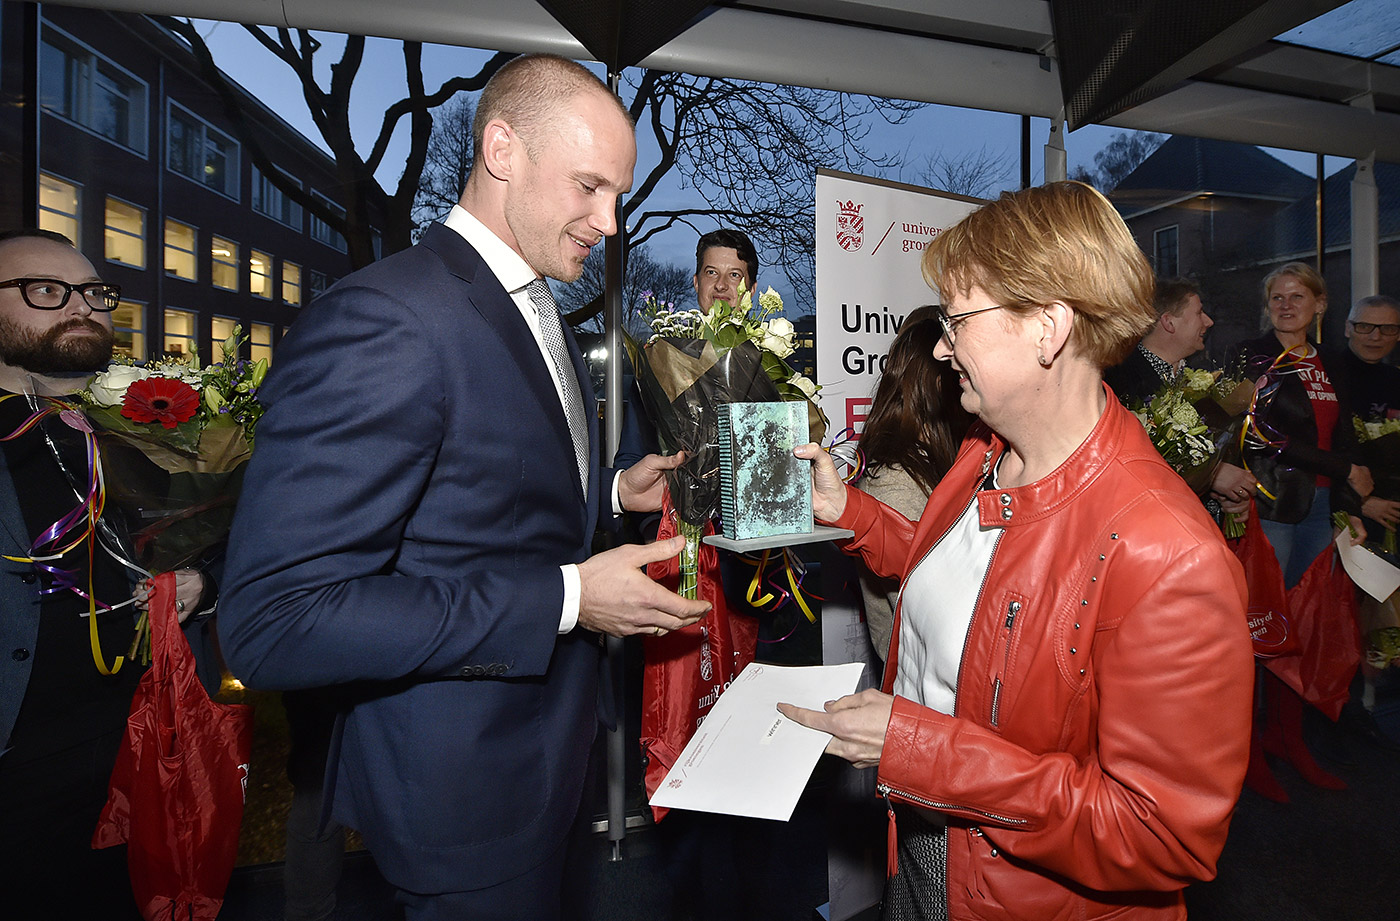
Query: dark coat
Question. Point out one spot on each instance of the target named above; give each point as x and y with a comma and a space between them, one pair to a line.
401, 530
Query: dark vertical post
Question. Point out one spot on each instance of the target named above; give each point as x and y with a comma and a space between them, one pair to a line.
1320, 210
19, 115
1025, 151
612, 384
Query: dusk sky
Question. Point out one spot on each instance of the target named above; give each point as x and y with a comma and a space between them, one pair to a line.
951, 131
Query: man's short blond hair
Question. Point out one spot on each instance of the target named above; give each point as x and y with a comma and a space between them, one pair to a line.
1058, 242
532, 91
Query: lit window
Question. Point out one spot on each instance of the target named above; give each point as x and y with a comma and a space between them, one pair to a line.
198, 151
58, 207
322, 232
220, 328
180, 331
260, 273
260, 341
1165, 252
223, 271
291, 283
179, 250
125, 236
83, 87
129, 329
273, 202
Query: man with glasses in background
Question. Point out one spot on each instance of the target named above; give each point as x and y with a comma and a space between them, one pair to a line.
61, 722
1373, 328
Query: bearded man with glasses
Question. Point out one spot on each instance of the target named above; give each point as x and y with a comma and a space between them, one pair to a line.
61, 722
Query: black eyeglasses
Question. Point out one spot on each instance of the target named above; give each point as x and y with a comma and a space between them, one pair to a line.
52, 294
949, 320
1385, 329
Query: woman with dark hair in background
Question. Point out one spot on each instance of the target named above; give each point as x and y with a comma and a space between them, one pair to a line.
911, 436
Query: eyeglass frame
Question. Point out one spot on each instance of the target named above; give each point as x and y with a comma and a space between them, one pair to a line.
945, 319
111, 294
1385, 329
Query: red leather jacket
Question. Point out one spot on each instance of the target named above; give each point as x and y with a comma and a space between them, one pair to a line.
1102, 722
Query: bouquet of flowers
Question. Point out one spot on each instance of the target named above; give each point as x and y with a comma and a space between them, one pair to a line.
167, 441
1190, 421
696, 360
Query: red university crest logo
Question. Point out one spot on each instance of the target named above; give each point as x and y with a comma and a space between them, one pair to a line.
850, 226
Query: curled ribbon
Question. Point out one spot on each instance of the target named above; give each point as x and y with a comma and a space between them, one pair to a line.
72, 529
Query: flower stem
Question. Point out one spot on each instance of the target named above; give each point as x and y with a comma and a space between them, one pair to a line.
689, 558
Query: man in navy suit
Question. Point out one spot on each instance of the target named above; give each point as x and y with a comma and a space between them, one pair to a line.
417, 519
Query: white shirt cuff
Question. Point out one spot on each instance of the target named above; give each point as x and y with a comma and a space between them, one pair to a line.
617, 495
568, 618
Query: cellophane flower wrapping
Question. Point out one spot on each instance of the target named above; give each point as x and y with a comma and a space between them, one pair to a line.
726, 355
1379, 442
174, 440
1192, 421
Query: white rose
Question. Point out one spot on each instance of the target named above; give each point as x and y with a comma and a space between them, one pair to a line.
109, 386
778, 337
770, 301
803, 383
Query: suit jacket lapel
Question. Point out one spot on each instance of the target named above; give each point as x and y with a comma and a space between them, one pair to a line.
494, 304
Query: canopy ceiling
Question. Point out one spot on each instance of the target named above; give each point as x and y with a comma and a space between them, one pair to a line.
1209, 70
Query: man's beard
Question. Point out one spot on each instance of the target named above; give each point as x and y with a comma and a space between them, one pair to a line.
49, 353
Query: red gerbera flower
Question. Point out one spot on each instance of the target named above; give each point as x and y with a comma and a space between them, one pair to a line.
160, 399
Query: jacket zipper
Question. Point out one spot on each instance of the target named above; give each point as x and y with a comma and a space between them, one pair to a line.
886, 791
1012, 609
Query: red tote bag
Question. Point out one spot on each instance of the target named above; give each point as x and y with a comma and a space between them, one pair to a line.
176, 797
686, 670
1268, 602
1323, 610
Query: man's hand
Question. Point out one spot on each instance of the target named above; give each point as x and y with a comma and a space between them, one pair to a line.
1385, 511
641, 486
618, 599
189, 588
828, 489
857, 723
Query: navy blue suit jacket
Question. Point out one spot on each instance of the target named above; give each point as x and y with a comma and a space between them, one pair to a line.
411, 497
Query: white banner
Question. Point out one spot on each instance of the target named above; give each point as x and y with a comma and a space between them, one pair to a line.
871, 234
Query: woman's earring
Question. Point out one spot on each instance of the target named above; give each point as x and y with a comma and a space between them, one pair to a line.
1044, 362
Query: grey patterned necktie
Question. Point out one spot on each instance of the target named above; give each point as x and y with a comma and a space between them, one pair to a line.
552, 331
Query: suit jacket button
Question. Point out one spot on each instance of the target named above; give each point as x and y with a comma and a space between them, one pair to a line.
28, 578
19, 655
466, 672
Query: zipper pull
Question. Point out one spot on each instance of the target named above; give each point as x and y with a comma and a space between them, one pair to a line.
891, 836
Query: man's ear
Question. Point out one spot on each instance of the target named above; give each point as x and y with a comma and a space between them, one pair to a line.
499, 143
1167, 322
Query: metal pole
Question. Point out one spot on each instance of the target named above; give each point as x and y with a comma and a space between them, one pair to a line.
1321, 241
612, 418
1025, 151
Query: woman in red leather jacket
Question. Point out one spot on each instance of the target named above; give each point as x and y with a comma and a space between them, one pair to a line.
1064, 725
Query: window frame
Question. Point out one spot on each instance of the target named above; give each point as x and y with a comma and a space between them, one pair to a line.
233, 167
193, 251
1157, 250
337, 239
259, 184
193, 337
108, 228
298, 284
138, 124
141, 332
235, 264
77, 217
268, 259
